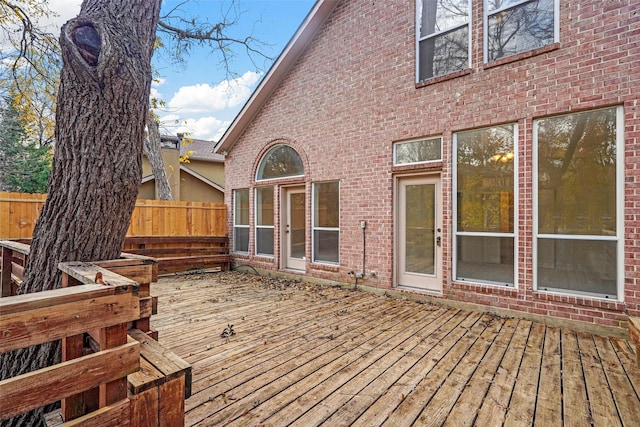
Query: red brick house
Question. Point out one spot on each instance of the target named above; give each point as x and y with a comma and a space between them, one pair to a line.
478, 151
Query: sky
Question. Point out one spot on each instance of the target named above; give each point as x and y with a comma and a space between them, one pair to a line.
201, 98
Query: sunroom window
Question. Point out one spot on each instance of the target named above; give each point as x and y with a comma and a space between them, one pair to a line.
420, 151
264, 221
326, 222
514, 26
280, 161
484, 205
442, 37
579, 191
241, 220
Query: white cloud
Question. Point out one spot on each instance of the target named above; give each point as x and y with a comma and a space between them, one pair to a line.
208, 128
155, 84
203, 98
66, 9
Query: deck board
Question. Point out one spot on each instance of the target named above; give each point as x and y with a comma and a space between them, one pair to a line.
309, 355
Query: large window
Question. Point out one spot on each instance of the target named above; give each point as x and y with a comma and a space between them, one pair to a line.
442, 37
420, 151
578, 213
514, 26
326, 222
264, 221
241, 220
280, 161
484, 205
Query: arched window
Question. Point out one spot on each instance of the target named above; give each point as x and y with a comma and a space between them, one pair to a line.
279, 162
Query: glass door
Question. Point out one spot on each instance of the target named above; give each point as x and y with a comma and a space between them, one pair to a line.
419, 231
294, 226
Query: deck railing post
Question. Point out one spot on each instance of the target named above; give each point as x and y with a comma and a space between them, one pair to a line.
73, 406
5, 279
113, 391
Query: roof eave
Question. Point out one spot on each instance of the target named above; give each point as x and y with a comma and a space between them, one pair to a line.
312, 23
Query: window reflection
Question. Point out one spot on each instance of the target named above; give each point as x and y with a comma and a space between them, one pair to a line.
577, 174
518, 29
443, 37
485, 180
279, 162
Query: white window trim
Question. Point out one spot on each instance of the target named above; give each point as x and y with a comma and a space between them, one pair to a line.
395, 144
314, 228
417, 19
235, 225
514, 234
256, 206
485, 23
620, 224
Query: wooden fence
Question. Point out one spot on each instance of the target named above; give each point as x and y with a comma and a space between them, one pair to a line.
19, 212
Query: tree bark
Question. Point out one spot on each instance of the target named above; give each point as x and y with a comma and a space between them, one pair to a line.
153, 151
100, 117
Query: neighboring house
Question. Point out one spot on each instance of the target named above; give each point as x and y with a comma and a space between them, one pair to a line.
199, 179
480, 151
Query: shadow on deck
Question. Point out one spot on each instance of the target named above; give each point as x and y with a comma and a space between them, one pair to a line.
302, 354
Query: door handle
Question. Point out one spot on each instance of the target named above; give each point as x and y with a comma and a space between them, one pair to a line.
439, 241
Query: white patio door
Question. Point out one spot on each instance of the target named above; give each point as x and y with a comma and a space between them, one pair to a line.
419, 233
294, 228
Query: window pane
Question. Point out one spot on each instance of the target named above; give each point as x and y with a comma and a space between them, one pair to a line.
264, 241
279, 162
444, 54
440, 15
418, 151
521, 28
577, 174
485, 185
326, 205
487, 259
241, 202
241, 239
577, 265
298, 229
420, 228
325, 246
264, 206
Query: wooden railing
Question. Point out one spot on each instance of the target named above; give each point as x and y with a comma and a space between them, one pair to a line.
14, 259
112, 370
98, 312
139, 269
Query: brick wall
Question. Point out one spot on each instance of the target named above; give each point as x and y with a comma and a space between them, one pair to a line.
353, 93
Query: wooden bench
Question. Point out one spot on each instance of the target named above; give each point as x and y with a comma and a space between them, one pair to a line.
181, 253
158, 390
634, 334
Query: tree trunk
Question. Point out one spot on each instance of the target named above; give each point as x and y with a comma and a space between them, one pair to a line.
153, 151
100, 117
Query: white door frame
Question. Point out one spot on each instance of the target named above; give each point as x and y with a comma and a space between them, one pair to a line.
290, 262
430, 282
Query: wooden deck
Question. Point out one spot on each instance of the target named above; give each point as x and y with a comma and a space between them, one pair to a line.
305, 355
